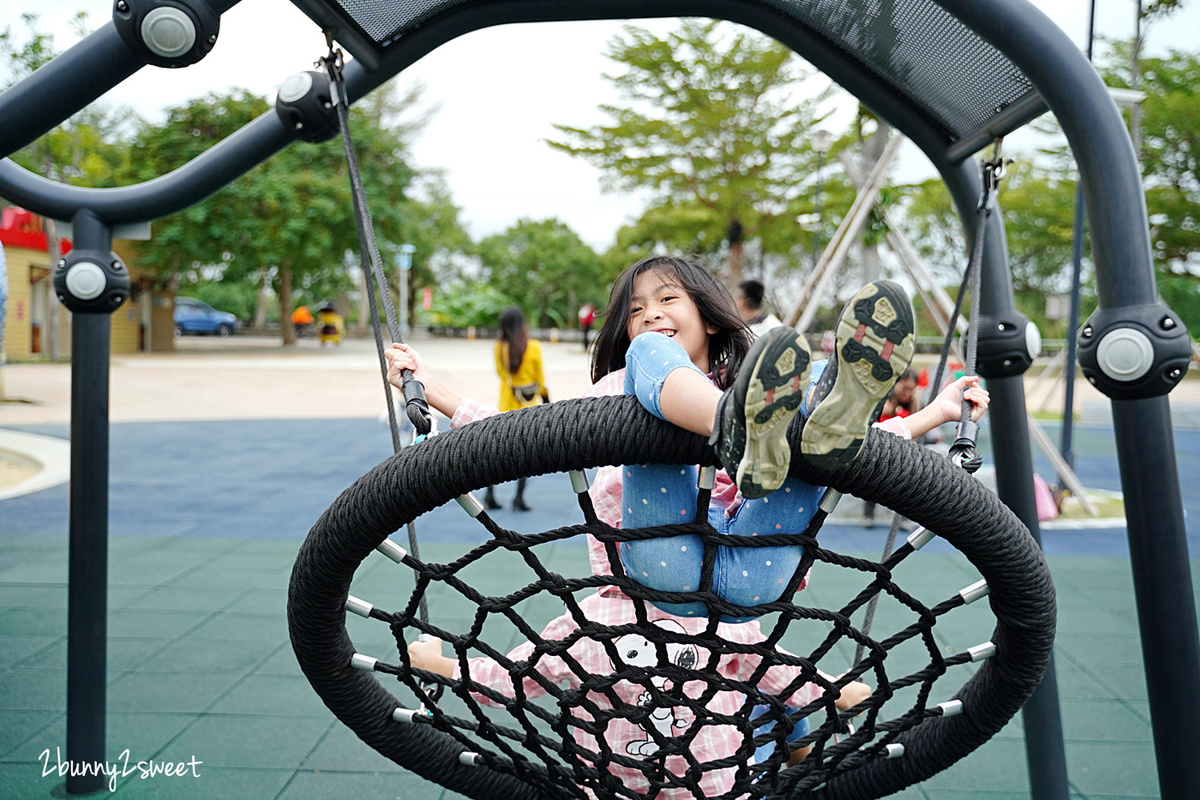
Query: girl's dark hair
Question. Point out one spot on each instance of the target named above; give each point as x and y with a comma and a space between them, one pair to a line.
513, 333
726, 348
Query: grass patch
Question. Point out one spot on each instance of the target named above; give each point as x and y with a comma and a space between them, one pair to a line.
1109, 504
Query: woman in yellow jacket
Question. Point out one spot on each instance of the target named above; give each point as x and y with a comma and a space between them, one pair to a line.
522, 382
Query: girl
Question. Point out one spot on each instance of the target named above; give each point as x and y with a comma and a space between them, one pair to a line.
672, 337
519, 365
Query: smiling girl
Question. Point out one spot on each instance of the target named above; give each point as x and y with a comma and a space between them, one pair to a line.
672, 336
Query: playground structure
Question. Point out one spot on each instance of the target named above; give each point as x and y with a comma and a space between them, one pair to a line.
951, 75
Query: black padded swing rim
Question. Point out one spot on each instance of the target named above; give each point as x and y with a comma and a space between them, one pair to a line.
575, 434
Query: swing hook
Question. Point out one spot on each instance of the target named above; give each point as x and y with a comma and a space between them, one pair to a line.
964, 452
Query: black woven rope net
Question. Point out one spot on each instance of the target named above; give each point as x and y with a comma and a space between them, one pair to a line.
934, 698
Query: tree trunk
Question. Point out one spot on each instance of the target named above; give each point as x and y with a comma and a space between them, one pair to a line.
364, 302
261, 299
736, 251
285, 305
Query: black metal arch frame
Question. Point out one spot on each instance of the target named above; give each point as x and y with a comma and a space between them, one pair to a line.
1062, 80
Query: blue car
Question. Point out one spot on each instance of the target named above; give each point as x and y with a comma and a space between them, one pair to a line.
194, 316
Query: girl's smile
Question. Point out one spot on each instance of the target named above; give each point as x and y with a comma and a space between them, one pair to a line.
659, 304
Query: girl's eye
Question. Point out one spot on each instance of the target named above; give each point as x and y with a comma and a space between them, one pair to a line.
635, 311
668, 298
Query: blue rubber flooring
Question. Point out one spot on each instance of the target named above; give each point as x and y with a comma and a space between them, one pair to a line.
205, 522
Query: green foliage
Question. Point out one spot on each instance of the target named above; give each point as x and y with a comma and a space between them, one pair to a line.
84, 150
712, 126
1181, 293
238, 299
1038, 207
290, 219
463, 303
547, 266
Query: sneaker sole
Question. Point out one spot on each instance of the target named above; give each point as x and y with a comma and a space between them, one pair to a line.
777, 386
877, 341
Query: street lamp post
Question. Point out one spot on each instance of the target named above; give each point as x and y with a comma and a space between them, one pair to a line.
404, 261
820, 141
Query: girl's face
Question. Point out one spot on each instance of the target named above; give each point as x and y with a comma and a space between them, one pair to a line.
660, 304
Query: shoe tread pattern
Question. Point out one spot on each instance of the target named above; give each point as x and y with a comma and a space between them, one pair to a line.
876, 343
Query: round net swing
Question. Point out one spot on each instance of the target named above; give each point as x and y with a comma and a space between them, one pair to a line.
932, 702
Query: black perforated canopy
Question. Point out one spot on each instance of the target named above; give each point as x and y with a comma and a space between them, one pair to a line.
964, 87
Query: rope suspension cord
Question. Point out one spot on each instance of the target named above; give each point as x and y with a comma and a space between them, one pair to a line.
964, 452
414, 393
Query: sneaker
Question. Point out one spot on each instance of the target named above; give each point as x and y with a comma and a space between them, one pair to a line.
750, 429
876, 337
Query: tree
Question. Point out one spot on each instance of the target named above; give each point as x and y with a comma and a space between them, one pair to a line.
84, 150
712, 126
288, 221
1170, 155
545, 266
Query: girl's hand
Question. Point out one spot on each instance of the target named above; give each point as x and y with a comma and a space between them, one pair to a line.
401, 357
949, 400
426, 654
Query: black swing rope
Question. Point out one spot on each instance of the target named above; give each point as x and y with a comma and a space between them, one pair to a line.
541, 756
964, 451
413, 392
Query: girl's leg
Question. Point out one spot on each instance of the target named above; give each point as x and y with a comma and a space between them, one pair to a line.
750, 576
654, 495
660, 494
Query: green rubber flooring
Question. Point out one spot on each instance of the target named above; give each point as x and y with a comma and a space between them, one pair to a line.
200, 667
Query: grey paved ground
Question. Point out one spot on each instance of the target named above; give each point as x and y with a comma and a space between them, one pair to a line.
206, 518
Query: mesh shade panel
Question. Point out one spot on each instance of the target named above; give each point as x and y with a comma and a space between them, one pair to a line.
930, 58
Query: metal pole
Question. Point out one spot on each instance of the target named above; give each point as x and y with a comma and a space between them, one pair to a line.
1068, 422
1072, 334
87, 575
816, 242
404, 260
1045, 750
1162, 584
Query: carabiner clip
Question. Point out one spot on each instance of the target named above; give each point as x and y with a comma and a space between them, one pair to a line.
965, 452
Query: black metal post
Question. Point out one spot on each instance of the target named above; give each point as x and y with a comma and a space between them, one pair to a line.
1068, 424
1125, 280
87, 592
1162, 583
1045, 751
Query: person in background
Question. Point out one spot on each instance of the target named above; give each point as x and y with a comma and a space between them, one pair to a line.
587, 317
903, 399
749, 302
302, 320
522, 382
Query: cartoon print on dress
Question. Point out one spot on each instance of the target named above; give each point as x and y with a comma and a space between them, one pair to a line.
638, 651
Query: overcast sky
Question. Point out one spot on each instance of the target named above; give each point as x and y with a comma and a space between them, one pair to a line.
499, 91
